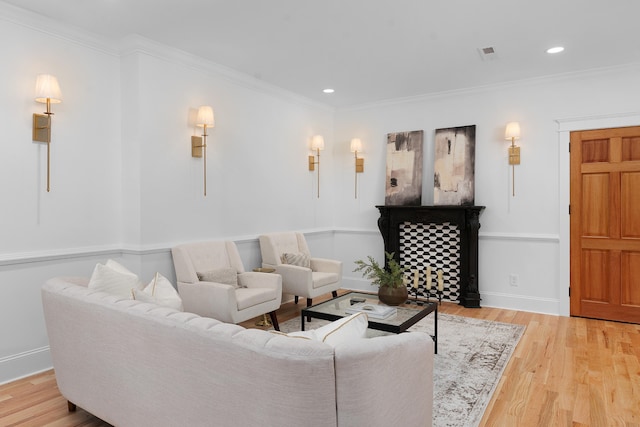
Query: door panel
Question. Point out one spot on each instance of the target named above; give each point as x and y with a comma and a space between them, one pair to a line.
595, 205
630, 276
630, 214
595, 273
605, 224
630, 148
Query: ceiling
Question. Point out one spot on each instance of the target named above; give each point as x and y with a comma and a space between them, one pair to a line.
372, 50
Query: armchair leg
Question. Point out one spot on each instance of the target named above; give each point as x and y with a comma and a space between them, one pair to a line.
71, 406
274, 320
296, 299
309, 304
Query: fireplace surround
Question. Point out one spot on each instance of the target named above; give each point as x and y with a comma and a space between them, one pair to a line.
442, 237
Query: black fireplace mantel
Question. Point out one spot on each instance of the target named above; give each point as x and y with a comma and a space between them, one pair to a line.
466, 218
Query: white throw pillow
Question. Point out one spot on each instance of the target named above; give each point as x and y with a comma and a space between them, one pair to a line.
114, 278
342, 330
159, 291
297, 258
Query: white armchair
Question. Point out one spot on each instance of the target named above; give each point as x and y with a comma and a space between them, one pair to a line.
207, 273
320, 277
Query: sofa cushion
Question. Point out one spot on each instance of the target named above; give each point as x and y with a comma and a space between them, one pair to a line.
342, 330
113, 278
159, 291
296, 258
226, 276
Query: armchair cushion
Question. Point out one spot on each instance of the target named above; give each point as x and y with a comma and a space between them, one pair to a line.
296, 258
226, 276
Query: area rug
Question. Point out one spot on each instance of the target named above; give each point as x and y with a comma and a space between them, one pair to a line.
472, 354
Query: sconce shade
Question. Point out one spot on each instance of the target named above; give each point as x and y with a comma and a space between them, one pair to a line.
512, 131
205, 117
317, 142
356, 145
47, 87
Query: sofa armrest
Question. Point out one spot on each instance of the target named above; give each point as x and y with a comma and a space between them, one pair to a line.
252, 279
382, 380
326, 265
209, 299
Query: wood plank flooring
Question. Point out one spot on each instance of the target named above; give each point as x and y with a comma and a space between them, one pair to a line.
565, 372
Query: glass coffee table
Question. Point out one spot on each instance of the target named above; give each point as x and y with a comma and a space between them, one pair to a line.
408, 314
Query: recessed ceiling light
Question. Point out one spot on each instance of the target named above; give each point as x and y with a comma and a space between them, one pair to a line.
556, 49
328, 90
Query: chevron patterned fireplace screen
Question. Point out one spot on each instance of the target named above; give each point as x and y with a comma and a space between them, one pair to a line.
437, 245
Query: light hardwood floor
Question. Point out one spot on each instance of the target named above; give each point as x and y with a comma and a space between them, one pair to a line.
564, 372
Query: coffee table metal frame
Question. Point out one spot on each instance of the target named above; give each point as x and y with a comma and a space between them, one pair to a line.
422, 309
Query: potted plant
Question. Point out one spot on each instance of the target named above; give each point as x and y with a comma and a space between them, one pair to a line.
389, 279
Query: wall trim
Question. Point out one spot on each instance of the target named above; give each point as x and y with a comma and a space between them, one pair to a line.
56, 30
525, 303
544, 80
25, 364
116, 251
137, 44
631, 118
565, 126
23, 354
56, 255
523, 237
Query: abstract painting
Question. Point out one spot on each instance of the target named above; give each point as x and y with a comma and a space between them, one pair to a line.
454, 168
404, 169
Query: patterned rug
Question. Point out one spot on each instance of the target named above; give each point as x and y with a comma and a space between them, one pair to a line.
472, 354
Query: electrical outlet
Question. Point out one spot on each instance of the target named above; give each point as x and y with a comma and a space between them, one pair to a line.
513, 280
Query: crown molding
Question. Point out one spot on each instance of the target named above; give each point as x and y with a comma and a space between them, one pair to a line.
57, 30
534, 81
135, 44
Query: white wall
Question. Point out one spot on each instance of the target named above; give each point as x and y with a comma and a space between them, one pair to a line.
45, 234
257, 177
525, 235
124, 184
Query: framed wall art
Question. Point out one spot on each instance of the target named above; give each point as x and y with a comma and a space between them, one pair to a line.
404, 169
454, 166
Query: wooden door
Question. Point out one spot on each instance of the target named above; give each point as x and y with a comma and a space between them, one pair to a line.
605, 224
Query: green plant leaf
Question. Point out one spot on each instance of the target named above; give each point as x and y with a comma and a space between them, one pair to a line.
392, 275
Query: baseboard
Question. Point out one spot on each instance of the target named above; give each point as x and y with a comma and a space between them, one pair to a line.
24, 364
355, 284
520, 303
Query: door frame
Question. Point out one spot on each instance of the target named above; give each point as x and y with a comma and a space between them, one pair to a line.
565, 126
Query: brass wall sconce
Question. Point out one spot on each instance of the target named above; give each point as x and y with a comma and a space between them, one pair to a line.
356, 145
47, 92
512, 132
204, 120
317, 144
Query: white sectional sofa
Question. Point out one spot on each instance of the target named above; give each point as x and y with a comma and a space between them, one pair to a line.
132, 363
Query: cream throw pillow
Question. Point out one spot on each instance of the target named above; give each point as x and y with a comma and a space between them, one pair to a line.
342, 330
227, 276
114, 278
296, 258
159, 291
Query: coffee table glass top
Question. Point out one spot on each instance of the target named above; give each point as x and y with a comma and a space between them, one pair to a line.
336, 307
